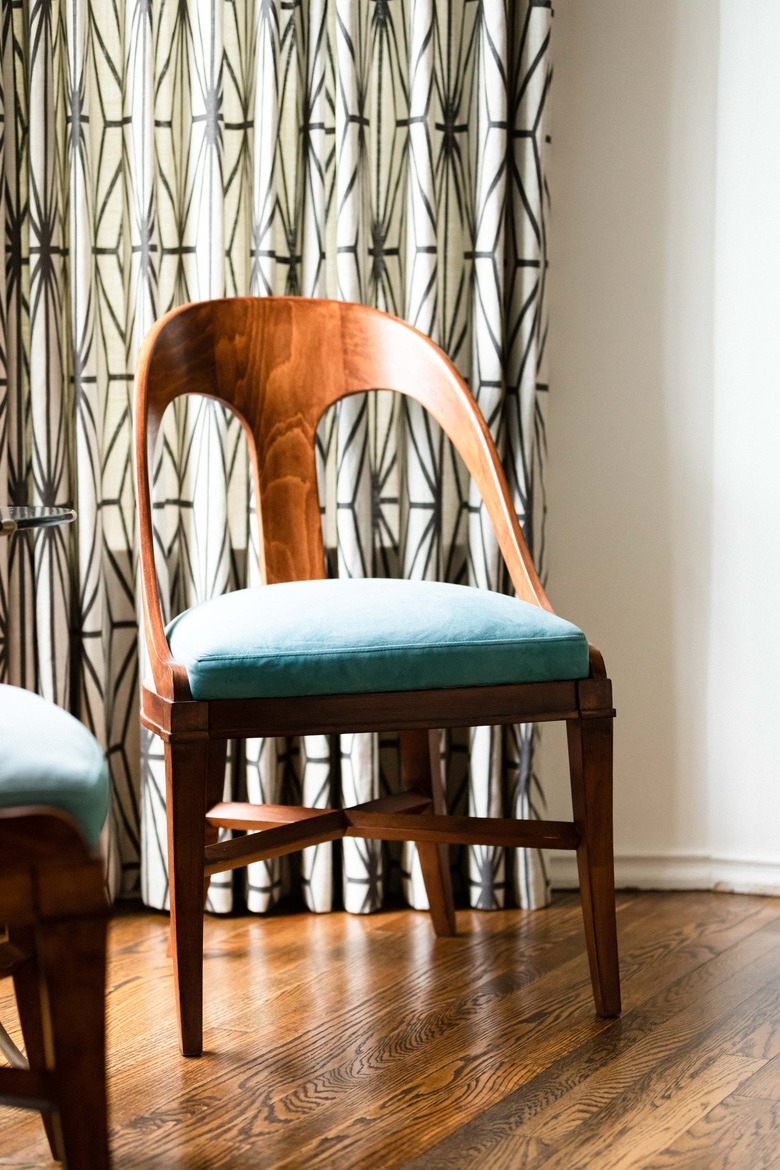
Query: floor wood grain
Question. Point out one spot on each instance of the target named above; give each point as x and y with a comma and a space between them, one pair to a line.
333, 1041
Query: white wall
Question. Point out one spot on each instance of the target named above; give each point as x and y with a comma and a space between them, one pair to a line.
744, 664
664, 444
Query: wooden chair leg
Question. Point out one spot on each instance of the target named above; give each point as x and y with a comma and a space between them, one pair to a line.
28, 990
215, 790
72, 955
186, 774
422, 773
590, 764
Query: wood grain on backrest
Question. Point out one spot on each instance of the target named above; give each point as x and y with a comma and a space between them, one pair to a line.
279, 363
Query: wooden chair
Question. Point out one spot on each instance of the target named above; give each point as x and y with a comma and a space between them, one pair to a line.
301, 655
53, 801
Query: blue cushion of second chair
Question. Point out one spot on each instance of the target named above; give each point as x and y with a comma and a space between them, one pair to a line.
367, 635
48, 758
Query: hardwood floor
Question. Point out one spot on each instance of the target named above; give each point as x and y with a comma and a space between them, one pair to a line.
342, 1042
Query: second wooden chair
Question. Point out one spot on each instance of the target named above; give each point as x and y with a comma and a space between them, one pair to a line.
53, 802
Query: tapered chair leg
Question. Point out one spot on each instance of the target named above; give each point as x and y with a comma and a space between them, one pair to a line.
421, 767
590, 763
28, 991
73, 961
186, 773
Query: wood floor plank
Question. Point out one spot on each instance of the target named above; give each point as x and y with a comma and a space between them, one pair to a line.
602, 1080
464, 1085
338, 1042
738, 1134
765, 1083
503, 1135
455, 964
759, 1038
510, 1133
645, 1118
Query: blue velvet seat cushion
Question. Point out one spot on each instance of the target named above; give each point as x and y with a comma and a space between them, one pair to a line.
353, 636
48, 758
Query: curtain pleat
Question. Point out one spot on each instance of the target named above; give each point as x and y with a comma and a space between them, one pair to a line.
391, 152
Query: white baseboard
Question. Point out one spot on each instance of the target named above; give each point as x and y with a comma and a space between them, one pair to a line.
681, 871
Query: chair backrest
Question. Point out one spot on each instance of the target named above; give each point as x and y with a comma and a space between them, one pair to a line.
278, 363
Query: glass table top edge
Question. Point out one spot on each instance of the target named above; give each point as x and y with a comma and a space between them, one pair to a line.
19, 518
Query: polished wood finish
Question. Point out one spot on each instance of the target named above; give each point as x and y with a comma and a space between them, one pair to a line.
391, 711
278, 363
590, 766
53, 906
347, 1042
318, 825
187, 781
421, 768
237, 815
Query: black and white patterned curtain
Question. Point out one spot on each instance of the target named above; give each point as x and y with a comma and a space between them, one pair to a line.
155, 152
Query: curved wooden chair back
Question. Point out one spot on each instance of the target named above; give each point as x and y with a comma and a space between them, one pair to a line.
278, 363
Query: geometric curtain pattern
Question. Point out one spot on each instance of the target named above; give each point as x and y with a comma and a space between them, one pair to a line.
391, 152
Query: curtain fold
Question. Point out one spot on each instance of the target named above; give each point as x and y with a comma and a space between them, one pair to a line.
385, 151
